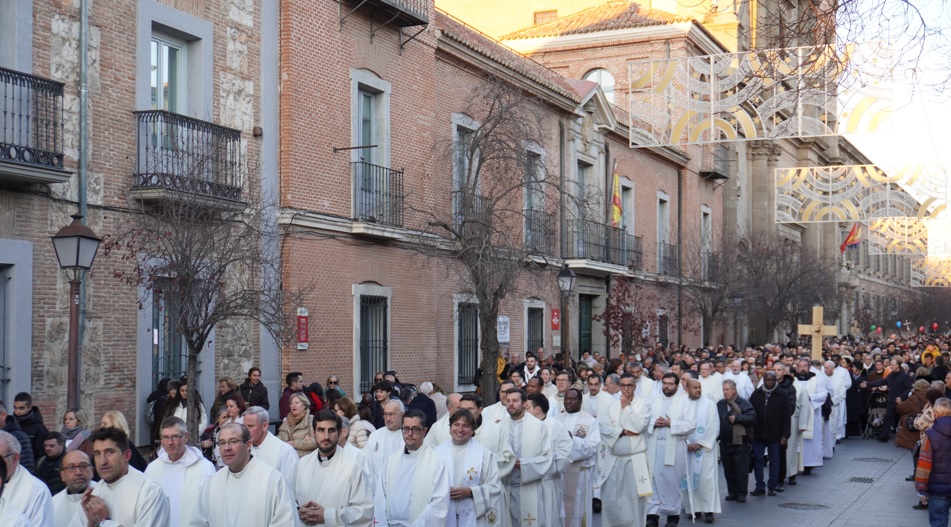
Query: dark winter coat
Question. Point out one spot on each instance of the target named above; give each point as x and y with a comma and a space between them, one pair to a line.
747, 418
48, 469
426, 405
32, 425
939, 436
910, 407
773, 417
898, 383
254, 395
26, 446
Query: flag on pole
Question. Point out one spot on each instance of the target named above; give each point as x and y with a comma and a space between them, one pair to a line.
616, 199
852, 239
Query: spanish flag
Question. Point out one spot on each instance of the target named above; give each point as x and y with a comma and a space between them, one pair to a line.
852, 239
616, 199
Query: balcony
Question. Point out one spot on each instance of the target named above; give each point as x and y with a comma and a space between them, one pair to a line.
182, 159
598, 242
382, 13
539, 232
668, 260
31, 129
377, 199
473, 213
717, 161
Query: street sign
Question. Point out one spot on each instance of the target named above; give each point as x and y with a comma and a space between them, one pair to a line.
303, 328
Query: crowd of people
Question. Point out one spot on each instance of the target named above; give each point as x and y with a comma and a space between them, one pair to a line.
637, 439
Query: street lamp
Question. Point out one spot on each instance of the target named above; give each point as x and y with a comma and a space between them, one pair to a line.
736, 299
566, 283
75, 246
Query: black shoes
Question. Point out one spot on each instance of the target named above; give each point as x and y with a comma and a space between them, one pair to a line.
807, 471
758, 492
672, 521
653, 520
730, 497
709, 517
910, 478
792, 480
771, 493
780, 488
741, 499
596, 505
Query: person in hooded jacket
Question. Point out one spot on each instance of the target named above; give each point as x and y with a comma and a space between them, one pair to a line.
30, 421
11, 425
933, 473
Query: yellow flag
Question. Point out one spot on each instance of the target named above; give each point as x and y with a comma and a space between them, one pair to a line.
616, 199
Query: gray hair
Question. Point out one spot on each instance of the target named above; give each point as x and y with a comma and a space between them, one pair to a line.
426, 388
614, 378
939, 385
344, 423
396, 401
12, 444
261, 413
730, 382
942, 406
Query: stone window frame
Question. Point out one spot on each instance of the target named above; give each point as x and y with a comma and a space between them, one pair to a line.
366, 81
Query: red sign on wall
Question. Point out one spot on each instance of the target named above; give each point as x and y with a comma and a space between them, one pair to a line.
555, 319
303, 328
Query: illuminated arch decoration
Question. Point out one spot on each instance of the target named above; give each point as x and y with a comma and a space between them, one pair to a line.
908, 236
859, 193
783, 93
931, 272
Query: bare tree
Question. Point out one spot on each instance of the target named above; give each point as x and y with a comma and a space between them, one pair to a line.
500, 227
711, 279
210, 258
631, 313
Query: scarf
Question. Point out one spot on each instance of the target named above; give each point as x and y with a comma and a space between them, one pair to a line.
739, 432
76, 435
294, 421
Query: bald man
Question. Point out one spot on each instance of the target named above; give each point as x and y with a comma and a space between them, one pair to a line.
439, 432
77, 476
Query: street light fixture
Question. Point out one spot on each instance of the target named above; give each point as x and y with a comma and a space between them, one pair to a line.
736, 299
566, 283
75, 246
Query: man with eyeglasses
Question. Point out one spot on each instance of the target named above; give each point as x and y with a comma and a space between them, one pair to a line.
77, 476
383, 442
245, 492
413, 485
180, 469
267, 448
23, 492
332, 487
125, 496
625, 479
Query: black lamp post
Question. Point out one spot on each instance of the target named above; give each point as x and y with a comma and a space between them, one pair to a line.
76, 247
566, 283
736, 299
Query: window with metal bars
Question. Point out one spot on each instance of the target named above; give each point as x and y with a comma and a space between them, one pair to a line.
374, 340
169, 353
585, 312
535, 328
467, 322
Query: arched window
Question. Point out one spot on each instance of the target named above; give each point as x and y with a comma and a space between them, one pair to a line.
604, 78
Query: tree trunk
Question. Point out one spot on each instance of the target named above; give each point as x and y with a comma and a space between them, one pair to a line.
489, 345
194, 409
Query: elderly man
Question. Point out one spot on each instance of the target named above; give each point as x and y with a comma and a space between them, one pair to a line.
815, 386
332, 487
475, 490
10, 517
245, 492
711, 381
77, 476
386, 441
268, 449
702, 494
673, 419
412, 486
23, 493
125, 496
744, 385
623, 427
439, 432
737, 418
933, 471
646, 388
830, 427
180, 469
358, 455
585, 435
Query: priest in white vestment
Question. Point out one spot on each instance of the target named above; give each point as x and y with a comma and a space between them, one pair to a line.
646, 387
531, 443
269, 449
246, 491
814, 383
67, 504
179, 469
592, 399
125, 496
673, 419
23, 493
700, 488
9, 517
439, 431
836, 421
744, 385
496, 439
498, 412
552, 485
579, 476
412, 488
625, 478
802, 417
386, 441
711, 382
332, 488
475, 490
845, 377
356, 454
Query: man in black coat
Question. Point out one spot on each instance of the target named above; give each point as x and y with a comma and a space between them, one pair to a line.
30, 421
786, 383
26, 446
770, 432
856, 403
418, 401
899, 385
737, 418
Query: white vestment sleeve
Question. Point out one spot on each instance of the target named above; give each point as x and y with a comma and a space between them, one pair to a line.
437, 509
537, 467
283, 505
153, 508
561, 448
488, 493
359, 512
687, 423
587, 446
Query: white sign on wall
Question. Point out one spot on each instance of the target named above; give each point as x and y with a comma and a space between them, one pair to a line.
505, 330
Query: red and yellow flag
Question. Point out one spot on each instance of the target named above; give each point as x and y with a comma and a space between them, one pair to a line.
852, 239
616, 199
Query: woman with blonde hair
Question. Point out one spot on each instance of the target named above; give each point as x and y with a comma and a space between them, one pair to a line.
297, 429
226, 386
76, 429
115, 419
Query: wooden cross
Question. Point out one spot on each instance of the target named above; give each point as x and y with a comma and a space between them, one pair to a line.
530, 520
816, 331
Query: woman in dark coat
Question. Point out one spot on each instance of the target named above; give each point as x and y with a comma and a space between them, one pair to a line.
911, 407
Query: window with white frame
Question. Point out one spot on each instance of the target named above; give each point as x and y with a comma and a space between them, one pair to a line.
664, 249
372, 311
465, 183
584, 180
627, 206
168, 81
370, 115
604, 79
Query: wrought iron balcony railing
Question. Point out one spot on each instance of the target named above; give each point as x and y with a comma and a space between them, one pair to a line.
186, 155
377, 194
709, 265
597, 241
717, 161
668, 261
539, 232
472, 212
31, 120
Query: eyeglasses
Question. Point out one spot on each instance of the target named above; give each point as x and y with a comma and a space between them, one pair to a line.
627, 385
414, 429
230, 443
390, 414
176, 437
332, 383
11, 454
80, 467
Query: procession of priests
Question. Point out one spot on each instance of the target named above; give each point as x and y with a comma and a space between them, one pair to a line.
641, 445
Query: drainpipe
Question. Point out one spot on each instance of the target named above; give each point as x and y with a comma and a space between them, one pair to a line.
608, 213
83, 150
680, 255
562, 239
